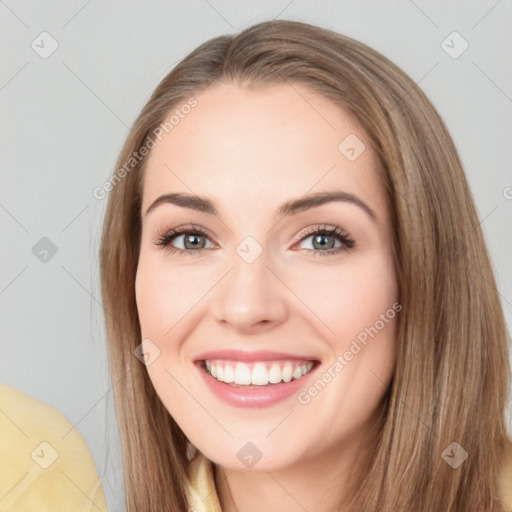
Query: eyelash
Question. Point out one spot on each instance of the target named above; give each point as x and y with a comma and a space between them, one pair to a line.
347, 242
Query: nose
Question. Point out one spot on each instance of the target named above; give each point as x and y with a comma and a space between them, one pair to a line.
251, 296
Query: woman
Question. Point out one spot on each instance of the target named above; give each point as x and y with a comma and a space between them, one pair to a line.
252, 373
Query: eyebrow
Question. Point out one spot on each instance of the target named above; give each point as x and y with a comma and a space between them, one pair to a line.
291, 207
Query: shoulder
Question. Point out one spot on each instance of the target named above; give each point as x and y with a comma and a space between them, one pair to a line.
45, 463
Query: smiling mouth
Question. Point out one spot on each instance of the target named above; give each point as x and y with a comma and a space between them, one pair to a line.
257, 374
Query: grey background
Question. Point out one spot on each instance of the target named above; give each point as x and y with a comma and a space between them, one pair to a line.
65, 117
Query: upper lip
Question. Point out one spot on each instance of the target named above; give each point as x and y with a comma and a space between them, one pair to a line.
251, 356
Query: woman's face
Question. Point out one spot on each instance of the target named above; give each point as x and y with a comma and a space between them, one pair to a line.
262, 294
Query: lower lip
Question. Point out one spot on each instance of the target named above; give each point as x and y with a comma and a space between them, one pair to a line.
256, 398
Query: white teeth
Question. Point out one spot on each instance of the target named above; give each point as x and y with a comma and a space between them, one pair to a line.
229, 374
274, 375
287, 373
297, 373
242, 374
261, 373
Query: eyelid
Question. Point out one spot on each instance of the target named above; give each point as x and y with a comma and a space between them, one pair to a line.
178, 231
315, 228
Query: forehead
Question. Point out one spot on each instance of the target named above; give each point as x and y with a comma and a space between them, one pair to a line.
263, 145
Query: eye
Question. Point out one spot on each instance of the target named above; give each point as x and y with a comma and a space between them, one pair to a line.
321, 244
193, 238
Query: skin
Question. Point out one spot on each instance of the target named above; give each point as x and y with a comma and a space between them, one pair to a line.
250, 150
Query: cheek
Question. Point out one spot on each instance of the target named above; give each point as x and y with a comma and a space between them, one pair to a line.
349, 299
164, 295
161, 303
359, 305
151, 300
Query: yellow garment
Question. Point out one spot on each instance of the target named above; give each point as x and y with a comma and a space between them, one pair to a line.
505, 480
202, 494
201, 491
45, 464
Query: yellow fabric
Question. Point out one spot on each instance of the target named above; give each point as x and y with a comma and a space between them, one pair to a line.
505, 480
45, 464
202, 494
201, 491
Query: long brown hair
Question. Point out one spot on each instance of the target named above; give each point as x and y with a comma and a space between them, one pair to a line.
452, 373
